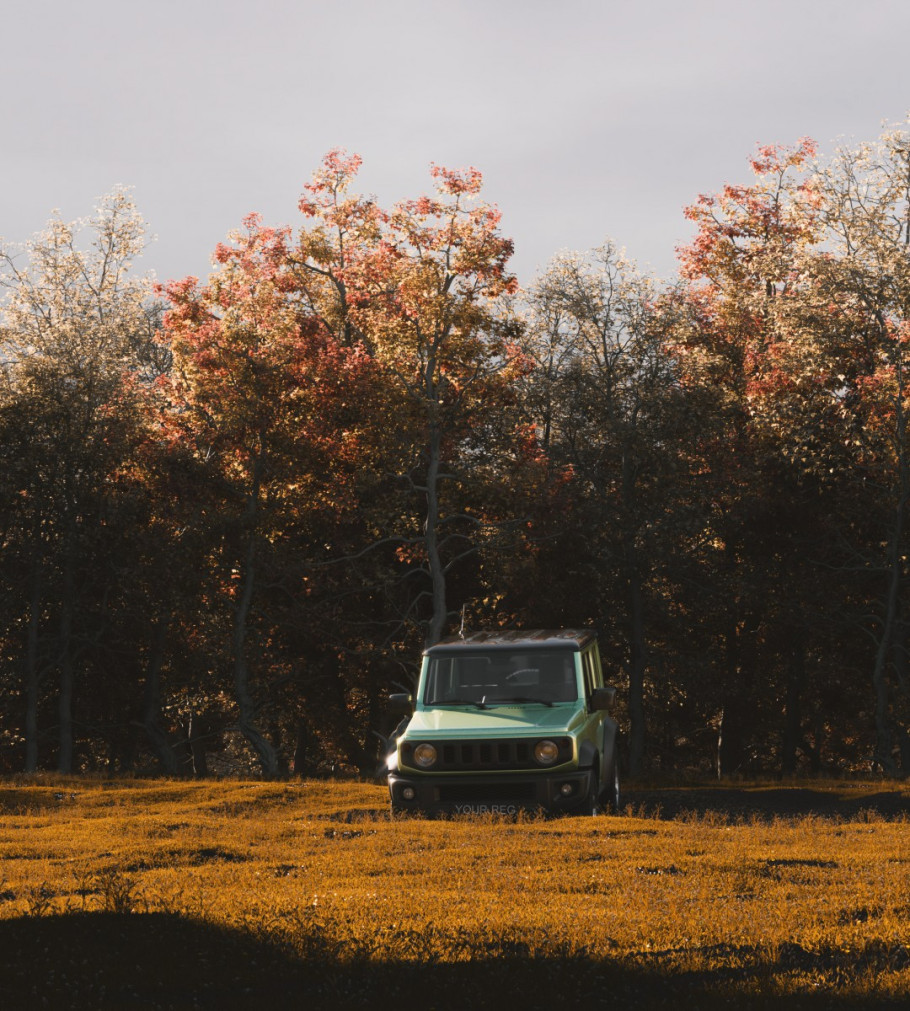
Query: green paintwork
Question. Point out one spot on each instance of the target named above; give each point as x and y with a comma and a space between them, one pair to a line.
497, 721
437, 724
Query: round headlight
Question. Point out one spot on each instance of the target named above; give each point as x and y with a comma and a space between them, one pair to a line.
425, 755
546, 752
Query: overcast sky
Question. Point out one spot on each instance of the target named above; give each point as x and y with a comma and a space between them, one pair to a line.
588, 118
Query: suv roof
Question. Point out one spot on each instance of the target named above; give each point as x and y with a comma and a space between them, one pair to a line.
535, 638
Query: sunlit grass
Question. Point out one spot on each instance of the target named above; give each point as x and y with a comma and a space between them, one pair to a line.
796, 905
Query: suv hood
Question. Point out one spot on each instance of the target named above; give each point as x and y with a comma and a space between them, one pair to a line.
497, 721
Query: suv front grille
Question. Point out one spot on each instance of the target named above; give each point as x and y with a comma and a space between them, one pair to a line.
496, 755
521, 793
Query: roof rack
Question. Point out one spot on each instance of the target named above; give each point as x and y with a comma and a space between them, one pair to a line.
535, 638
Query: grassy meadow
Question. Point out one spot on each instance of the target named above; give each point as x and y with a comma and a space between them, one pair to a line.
231, 894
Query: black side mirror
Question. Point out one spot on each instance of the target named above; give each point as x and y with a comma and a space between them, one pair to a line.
400, 704
602, 699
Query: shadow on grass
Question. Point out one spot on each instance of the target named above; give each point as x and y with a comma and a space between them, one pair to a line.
107, 961
767, 802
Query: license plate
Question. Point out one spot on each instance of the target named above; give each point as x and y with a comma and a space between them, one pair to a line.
486, 809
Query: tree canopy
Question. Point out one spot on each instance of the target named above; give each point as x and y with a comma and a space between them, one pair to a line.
234, 510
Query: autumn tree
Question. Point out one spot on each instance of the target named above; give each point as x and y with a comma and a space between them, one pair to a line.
608, 408
739, 269
446, 344
76, 335
262, 396
801, 282
837, 392
419, 289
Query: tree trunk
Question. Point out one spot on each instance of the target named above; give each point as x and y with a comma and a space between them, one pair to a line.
437, 570
67, 668
793, 717
268, 757
276, 737
300, 749
731, 751
32, 672
637, 647
637, 666
883, 737
196, 733
151, 702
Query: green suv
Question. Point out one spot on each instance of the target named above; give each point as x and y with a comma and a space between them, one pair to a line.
505, 721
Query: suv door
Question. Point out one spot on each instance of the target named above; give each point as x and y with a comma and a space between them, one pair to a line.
604, 729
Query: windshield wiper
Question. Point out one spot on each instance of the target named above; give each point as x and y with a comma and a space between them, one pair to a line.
524, 698
459, 702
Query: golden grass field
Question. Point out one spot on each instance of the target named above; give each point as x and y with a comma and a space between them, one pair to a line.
232, 894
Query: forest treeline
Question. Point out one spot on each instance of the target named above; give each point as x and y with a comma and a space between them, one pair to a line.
233, 511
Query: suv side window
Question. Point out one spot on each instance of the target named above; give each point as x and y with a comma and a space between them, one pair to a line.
587, 664
598, 672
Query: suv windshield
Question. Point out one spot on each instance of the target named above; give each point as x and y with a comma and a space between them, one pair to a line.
475, 678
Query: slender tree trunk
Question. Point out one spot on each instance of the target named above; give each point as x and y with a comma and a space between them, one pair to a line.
883, 737
638, 664
268, 757
277, 739
815, 755
32, 671
730, 749
300, 749
731, 745
437, 570
195, 736
67, 667
151, 701
793, 717
349, 740
637, 647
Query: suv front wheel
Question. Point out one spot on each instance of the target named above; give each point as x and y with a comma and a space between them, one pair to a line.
609, 799
592, 800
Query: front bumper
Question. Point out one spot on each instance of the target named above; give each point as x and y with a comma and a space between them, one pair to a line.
489, 794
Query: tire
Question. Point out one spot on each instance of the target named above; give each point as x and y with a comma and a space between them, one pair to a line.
610, 798
591, 807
